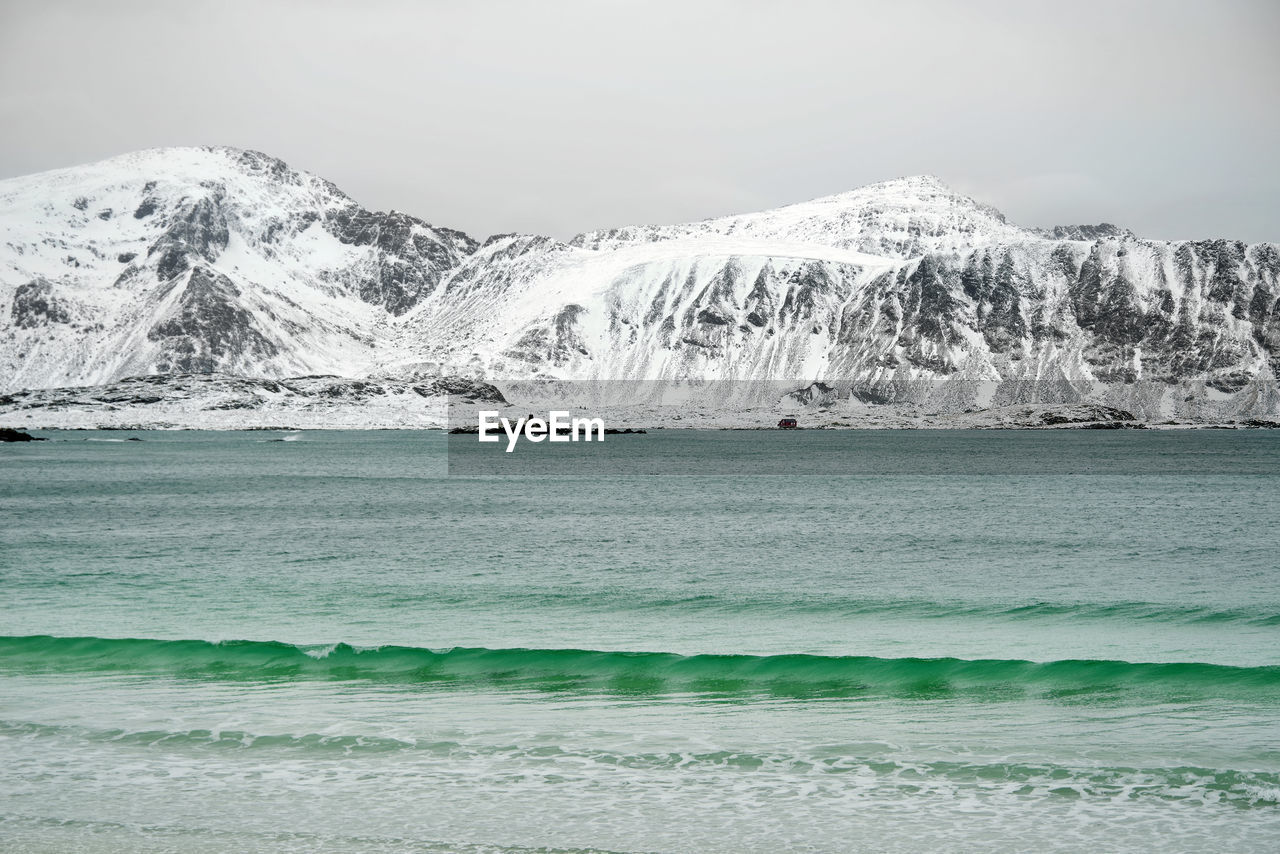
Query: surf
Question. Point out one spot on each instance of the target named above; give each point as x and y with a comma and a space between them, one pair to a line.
642, 673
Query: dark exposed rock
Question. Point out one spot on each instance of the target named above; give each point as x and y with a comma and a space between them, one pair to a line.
557, 343
202, 225
875, 395
208, 327
34, 304
817, 392
930, 312
804, 287
271, 168
9, 435
171, 259
1105, 414
1229, 382
760, 303
469, 390
197, 231
413, 255
1101, 231
714, 305
997, 293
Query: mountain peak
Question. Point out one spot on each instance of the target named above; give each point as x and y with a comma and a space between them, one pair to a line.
903, 217
218, 258
179, 160
926, 181
914, 191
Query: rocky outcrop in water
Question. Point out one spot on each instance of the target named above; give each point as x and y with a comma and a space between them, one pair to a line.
8, 435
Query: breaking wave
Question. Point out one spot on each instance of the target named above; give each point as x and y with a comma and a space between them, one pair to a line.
1185, 782
644, 673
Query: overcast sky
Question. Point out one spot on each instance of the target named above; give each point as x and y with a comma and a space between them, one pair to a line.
558, 117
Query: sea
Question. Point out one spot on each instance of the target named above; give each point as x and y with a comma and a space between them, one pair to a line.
680, 641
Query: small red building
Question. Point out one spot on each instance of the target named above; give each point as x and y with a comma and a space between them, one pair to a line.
787, 424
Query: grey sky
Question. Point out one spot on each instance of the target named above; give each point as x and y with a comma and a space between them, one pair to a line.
558, 117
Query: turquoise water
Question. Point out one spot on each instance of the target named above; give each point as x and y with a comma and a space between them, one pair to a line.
851, 641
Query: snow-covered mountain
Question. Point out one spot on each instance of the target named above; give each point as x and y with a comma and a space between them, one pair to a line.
904, 292
201, 260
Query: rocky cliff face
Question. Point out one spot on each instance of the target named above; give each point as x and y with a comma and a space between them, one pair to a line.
1177, 330
219, 261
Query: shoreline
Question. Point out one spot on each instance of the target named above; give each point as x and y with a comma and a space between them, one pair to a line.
161, 427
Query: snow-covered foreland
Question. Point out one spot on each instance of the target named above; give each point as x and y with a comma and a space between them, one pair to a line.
221, 402
176, 286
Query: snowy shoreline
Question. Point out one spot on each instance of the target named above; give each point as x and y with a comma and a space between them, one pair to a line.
223, 402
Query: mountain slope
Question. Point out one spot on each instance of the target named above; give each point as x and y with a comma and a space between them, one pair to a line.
1187, 329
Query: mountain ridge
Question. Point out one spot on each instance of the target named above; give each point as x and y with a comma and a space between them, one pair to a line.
913, 215
217, 260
